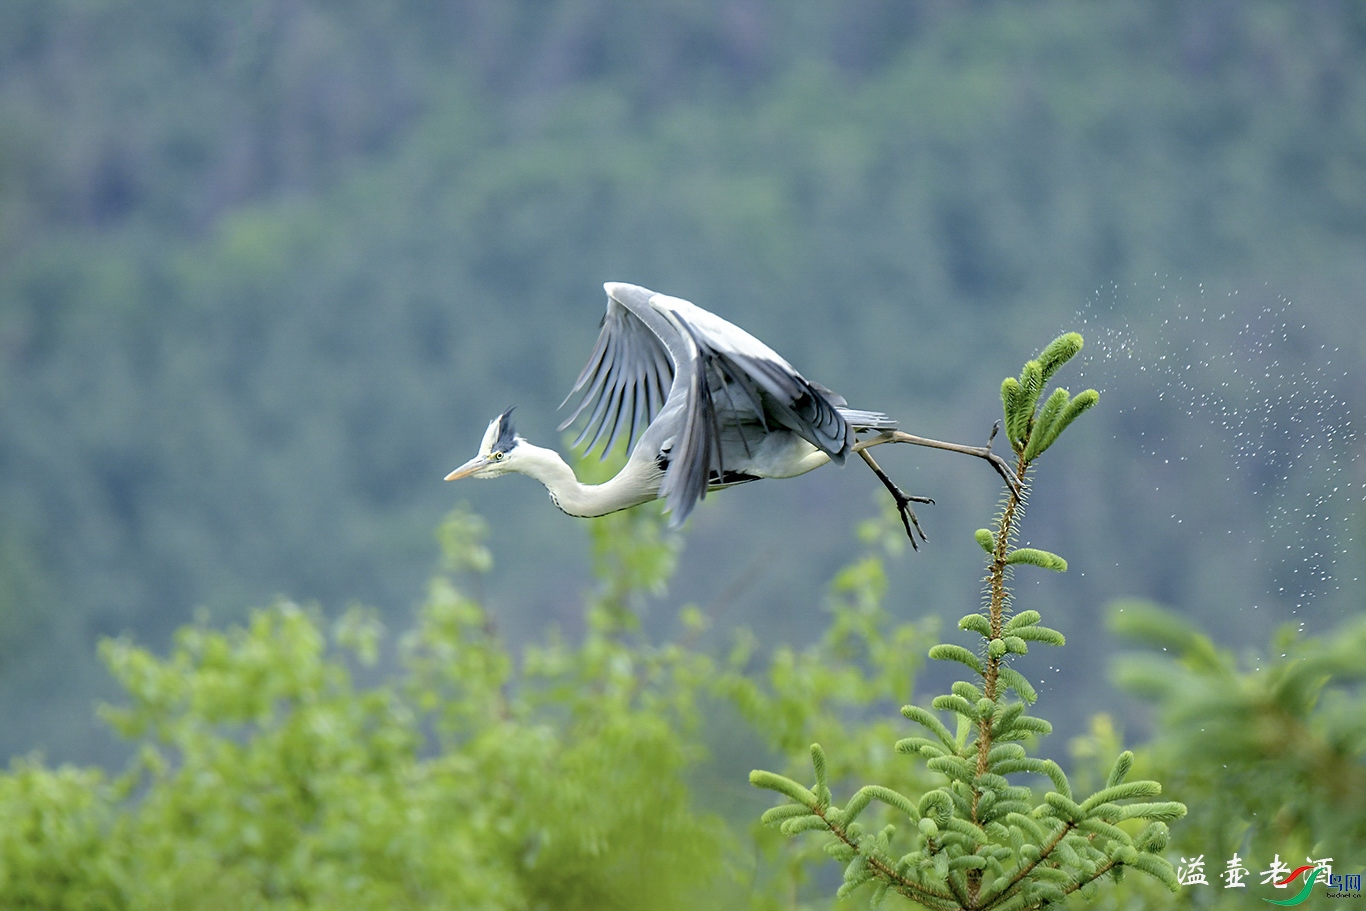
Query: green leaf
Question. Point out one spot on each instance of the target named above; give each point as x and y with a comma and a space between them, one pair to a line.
1014, 765
1004, 751
1023, 619
951, 702
803, 824
818, 763
1031, 385
1058, 352
963, 827
936, 804
1040, 433
919, 745
996, 648
1069, 414
966, 690
857, 805
1123, 763
986, 540
975, 623
1153, 838
1006, 714
1027, 724
785, 811
952, 766
894, 799
783, 785
1159, 868
840, 851
1165, 811
948, 652
1030, 827
1128, 791
927, 720
1035, 557
1100, 827
1041, 634
1014, 680
1055, 772
1012, 400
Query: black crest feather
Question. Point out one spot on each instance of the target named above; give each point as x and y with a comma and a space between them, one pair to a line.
507, 435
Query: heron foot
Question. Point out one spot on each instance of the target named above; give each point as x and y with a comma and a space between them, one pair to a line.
903, 501
908, 518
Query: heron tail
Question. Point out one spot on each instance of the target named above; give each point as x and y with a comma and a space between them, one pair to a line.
867, 420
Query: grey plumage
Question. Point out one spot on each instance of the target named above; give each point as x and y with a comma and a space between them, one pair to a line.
704, 397
702, 404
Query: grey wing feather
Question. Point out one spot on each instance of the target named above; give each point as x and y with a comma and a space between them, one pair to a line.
626, 376
730, 392
695, 451
790, 401
653, 348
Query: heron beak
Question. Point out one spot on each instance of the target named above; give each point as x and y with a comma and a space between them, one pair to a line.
469, 468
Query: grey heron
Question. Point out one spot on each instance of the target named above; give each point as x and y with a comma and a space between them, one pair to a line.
707, 406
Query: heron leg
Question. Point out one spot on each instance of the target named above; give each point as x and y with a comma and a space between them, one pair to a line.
982, 452
903, 500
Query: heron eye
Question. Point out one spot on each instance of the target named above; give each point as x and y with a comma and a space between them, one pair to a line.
495, 456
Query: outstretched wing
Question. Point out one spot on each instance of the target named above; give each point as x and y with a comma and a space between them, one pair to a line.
720, 389
751, 385
628, 374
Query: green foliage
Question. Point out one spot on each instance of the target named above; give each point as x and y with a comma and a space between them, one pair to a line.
1031, 429
828, 692
979, 841
1273, 745
53, 843
266, 267
266, 777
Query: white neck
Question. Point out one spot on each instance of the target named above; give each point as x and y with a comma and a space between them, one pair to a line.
631, 486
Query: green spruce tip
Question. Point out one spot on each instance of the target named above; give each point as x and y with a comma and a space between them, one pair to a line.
978, 831
1065, 417
986, 540
1030, 434
1058, 352
1043, 423
1035, 557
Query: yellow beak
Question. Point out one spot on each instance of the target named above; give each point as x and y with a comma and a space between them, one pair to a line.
469, 468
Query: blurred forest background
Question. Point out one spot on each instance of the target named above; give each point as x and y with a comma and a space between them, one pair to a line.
267, 268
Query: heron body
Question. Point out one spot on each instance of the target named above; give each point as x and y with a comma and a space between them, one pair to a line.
706, 404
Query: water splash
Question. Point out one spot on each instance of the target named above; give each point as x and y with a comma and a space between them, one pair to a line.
1236, 411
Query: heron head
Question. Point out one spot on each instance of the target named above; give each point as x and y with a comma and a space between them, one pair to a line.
496, 451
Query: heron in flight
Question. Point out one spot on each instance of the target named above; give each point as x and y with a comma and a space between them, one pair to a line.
707, 406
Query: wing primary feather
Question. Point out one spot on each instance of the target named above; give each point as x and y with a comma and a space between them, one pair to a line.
640, 413
681, 484
599, 378
602, 376
613, 397
596, 418
625, 405
594, 365
625, 382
